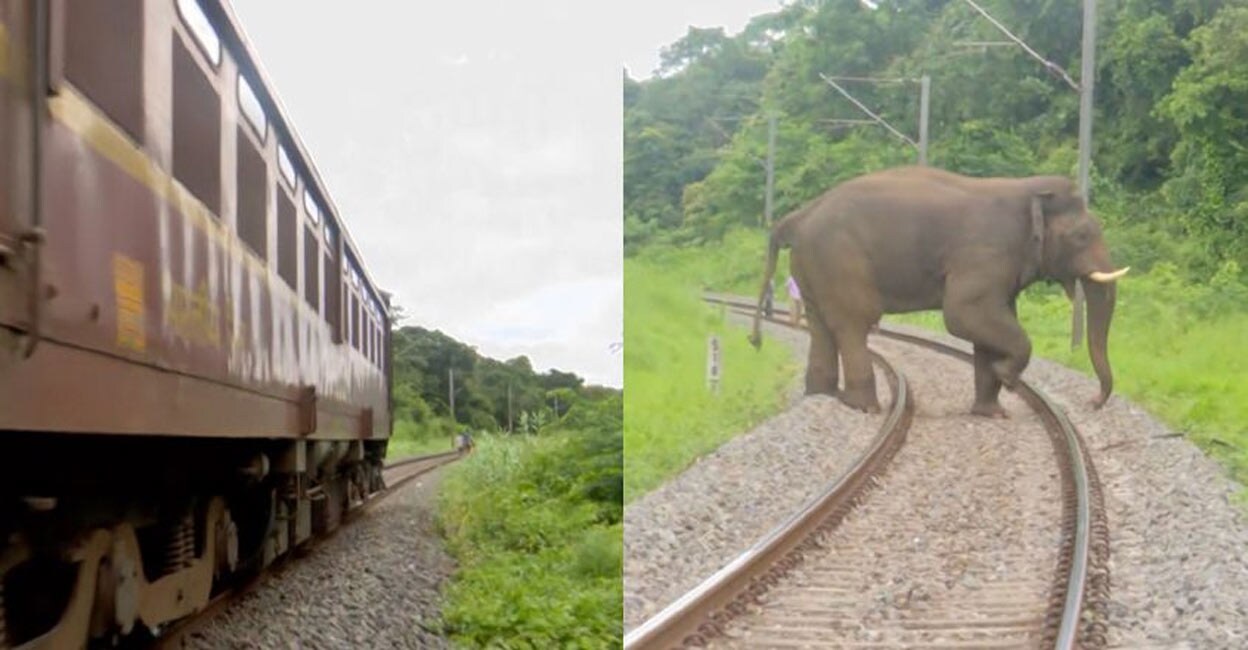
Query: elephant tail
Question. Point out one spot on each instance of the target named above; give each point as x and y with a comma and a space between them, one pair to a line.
783, 234
776, 242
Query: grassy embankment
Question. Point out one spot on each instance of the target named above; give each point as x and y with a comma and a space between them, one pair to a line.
1177, 344
410, 439
671, 417
534, 524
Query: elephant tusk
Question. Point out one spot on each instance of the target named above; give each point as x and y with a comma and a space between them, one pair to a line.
1102, 277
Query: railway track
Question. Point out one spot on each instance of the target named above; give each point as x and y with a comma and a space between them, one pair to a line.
803, 585
395, 475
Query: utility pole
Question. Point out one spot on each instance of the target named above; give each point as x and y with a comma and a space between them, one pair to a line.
509, 407
451, 391
1087, 80
925, 94
771, 166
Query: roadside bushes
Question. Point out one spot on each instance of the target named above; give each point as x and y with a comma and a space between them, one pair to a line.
535, 525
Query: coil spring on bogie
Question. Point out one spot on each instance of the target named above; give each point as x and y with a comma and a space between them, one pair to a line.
180, 551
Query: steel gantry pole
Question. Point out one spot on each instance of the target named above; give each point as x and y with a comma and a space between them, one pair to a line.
1087, 81
925, 94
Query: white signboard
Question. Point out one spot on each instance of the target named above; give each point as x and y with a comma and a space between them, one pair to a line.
713, 363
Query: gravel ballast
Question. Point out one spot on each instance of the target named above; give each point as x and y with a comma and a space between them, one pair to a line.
372, 585
1178, 544
685, 530
1179, 564
957, 543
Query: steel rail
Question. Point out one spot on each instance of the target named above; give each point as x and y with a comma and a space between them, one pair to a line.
703, 612
1086, 542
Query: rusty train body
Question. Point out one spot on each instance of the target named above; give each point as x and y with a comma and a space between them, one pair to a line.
194, 367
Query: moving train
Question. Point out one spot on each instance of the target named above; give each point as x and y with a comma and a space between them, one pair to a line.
194, 361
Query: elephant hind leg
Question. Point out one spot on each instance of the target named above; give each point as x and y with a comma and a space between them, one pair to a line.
821, 366
987, 384
859, 390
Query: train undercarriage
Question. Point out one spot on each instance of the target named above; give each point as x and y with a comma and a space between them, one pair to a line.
107, 540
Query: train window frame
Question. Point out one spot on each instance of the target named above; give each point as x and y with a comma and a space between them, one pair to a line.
330, 234
191, 13
287, 233
312, 270
251, 223
253, 111
91, 65
197, 135
310, 206
285, 166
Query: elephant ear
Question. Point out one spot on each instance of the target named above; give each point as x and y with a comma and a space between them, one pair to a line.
1034, 253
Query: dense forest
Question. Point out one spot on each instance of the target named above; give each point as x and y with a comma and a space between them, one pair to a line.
1170, 170
424, 359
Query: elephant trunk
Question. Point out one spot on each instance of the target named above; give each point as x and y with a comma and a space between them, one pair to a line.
764, 294
1100, 298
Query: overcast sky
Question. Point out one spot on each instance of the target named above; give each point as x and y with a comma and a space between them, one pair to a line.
649, 25
474, 151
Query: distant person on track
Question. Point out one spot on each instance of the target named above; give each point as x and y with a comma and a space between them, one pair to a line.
463, 442
795, 298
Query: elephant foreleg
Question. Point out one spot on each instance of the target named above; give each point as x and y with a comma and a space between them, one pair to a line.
992, 325
987, 385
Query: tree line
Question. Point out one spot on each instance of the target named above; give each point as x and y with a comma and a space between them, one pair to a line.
423, 360
1171, 115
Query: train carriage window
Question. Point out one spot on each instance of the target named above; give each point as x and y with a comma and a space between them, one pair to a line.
104, 58
352, 324
377, 344
283, 164
287, 232
309, 204
253, 184
355, 321
251, 108
201, 28
311, 269
196, 128
333, 283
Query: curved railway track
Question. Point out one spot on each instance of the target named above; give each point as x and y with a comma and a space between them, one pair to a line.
395, 475
797, 586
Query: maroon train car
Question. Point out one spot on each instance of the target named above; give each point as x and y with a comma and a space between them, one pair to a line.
194, 367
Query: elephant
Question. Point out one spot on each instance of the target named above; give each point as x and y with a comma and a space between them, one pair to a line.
919, 238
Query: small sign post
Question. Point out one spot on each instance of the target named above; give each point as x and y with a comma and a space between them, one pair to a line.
712, 364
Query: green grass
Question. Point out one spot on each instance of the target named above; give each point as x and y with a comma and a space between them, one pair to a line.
671, 418
539, 555
409, 439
